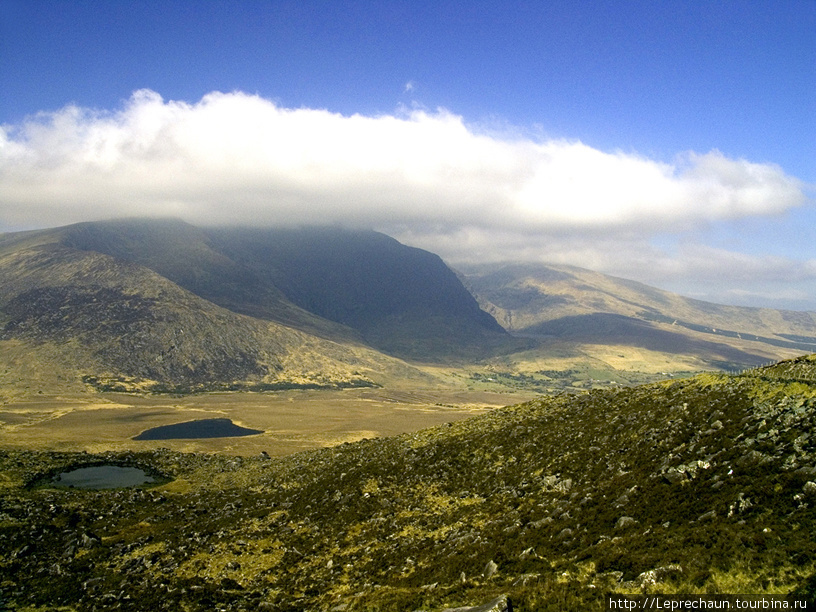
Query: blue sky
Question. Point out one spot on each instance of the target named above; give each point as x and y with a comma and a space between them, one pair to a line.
669, 142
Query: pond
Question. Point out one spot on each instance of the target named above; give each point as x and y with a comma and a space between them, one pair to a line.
102, 477
201, 428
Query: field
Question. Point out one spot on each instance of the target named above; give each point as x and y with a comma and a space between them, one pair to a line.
291, 420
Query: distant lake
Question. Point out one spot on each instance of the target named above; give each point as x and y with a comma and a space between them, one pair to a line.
102, 477
202, 428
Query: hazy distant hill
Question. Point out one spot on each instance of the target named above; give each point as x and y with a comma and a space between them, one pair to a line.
569, 303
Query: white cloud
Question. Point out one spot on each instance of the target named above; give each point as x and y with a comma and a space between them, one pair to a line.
236, 157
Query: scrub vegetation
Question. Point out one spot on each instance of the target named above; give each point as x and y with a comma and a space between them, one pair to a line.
699, 485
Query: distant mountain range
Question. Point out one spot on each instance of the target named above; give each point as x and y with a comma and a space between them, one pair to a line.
163, 305
572, 304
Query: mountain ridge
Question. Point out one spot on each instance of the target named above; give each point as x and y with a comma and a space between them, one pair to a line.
333, 282
570, 303
515, 288
110, 297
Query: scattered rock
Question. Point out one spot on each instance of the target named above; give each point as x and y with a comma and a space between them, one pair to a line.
500, 604
625, 521
490, 569
658, 574
675, 476
564, 534
88, 540
528, 552
742, 504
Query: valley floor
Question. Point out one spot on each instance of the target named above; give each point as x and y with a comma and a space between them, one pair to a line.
292, 421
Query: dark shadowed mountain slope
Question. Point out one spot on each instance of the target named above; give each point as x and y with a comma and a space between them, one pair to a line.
185, 255
402, 300
580, 305
337, 283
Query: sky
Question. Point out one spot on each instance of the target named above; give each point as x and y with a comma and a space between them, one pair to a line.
669, 142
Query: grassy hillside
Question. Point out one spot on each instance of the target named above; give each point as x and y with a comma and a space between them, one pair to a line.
703, 485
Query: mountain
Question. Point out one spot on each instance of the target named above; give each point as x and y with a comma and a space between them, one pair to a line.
566, 303
70, 317
337, 283
402, 300
705, 485
185, 255
162, 304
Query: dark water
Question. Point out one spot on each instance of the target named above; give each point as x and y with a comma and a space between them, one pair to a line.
102, 477
203, 428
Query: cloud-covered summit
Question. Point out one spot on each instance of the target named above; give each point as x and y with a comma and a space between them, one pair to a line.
425, 176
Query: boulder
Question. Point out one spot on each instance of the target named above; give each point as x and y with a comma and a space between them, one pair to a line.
490, 569
658, 574
625, 521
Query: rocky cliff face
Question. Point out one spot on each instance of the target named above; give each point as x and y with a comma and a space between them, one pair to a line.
702, 485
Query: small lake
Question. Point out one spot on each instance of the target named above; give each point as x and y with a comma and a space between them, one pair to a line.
103, 477
202, 428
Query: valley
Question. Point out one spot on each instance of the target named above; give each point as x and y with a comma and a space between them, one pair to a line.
292, 421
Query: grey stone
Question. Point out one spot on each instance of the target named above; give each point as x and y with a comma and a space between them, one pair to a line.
658, 574
565, 533
490, 569
500, 604
625, 521
675, 475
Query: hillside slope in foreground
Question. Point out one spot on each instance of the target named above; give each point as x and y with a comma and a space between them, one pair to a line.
702, 485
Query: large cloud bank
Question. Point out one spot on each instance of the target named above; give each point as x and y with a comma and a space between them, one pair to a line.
242, 159
428, 178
